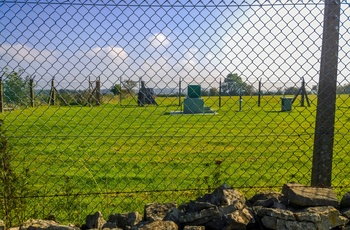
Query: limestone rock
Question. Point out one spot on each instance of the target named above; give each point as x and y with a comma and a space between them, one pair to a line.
330, 217
201, 217
109, 225
223, 195
304, 196
276, 213
195, 206
269, 200
156, 225
44, 225
174, 215
157, 211
238, 219
345, 212
125, 220
275, 196
321, 218
345, 201
274, 218
94, 221
2, 225
194, 228
288, 224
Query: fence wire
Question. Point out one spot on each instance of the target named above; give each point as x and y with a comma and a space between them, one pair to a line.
107, 106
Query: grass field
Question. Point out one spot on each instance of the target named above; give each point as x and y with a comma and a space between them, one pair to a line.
116, 158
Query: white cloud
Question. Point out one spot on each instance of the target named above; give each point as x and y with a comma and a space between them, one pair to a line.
24, 53
159, 40
109, 51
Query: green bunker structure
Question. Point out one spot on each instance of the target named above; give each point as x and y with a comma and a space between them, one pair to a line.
193, 103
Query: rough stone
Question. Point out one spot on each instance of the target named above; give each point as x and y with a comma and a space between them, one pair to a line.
269, 222
345, 201
44, 225
304, 196
238, 219
345, 212
95, 221
276, 218
277, 213
157, 211
321, 218
109, 225
194, 206
125, 220
201, 217
223, 195
261, 197
194, 228
309, 217
174, 215
288, 224
330, 217
156, 225
113, 229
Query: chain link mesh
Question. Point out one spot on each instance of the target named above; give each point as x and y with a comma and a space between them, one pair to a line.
95, 94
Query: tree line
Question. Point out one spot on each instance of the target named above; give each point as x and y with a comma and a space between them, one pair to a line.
16, 89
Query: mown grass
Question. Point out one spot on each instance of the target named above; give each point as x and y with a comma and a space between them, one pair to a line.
117, 157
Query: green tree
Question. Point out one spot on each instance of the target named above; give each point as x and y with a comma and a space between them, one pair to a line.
343, 89
129, 85
213, 91
234, 85
116, 89
16, 88
291, 90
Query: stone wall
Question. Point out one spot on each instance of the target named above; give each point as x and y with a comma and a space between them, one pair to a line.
297, 207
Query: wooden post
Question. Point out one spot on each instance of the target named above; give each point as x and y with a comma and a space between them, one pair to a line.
1, 96
303, 92
31, 92
90, 92
98, 92
120, 94
220, 93
321, 175
259, 93
180, 91
52, 98
141, 97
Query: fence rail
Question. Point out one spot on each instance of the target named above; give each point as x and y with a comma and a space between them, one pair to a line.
111, 105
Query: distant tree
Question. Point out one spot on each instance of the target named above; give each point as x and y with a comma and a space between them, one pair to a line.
343, 89
204, 92
129, 85
234, 85
213, 91
291, 90
116, 89
279, 91
250, 90
16, 88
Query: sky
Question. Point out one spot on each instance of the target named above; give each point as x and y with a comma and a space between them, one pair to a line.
161, 42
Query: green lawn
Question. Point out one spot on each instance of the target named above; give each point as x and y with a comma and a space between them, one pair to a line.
116, 158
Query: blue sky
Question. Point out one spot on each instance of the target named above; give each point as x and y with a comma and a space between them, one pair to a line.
165, 41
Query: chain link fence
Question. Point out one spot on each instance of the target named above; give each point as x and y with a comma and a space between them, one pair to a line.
109, 105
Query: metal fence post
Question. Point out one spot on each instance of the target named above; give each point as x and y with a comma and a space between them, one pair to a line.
98, 92
31, 92
1, 96
325, 117
220, 94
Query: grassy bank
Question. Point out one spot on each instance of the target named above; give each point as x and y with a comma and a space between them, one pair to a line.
117, 157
